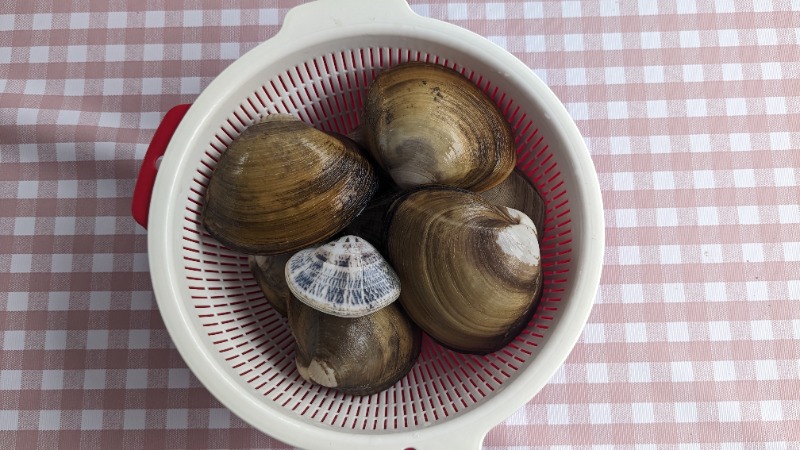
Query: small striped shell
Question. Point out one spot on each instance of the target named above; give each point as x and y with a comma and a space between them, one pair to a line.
347, 277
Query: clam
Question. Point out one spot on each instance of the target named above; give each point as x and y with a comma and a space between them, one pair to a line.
268, 271
358, 356
427, 124
518, 192
283, 185
344, 278
470, 271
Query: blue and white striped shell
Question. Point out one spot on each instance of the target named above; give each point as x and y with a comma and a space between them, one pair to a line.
347, 277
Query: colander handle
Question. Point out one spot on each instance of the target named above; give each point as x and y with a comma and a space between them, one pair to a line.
143, 191
322, 15
461, 439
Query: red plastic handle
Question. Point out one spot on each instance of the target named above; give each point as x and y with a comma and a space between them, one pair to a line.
140, 206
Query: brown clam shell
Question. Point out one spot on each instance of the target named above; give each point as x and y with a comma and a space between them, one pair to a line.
268, 270
519, 193
463, 282
358, 356
283, 185
428, 124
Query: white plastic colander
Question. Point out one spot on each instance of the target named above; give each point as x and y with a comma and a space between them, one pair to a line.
318, 67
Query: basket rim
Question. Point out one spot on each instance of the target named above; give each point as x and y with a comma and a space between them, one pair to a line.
473, 424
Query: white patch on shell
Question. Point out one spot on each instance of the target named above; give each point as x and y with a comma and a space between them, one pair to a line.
346, 278
519, 240
318, 372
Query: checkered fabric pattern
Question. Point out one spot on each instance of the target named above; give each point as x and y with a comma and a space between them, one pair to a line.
691, 111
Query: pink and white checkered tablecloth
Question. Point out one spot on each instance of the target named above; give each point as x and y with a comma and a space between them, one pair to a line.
691, 111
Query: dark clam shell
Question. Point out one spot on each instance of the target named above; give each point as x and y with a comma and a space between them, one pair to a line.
283, 185
470, 271
428, 124
358, 356
268, 270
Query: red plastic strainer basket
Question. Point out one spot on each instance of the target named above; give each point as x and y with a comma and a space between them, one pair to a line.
318, 68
